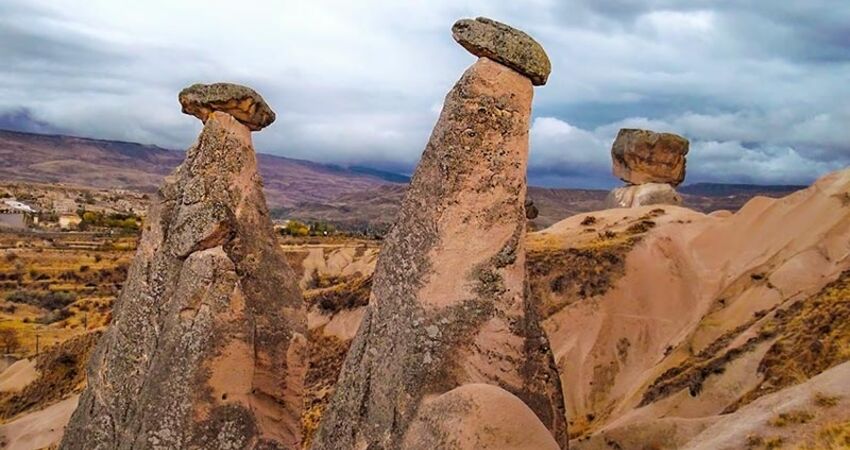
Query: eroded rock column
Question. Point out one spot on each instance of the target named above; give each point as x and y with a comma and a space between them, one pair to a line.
449, 332
206, 348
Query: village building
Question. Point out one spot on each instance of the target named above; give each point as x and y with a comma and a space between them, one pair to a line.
17, 215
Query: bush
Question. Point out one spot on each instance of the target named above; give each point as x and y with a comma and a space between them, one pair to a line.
295, 228
54, 316
93, 219
9, 340
42, 299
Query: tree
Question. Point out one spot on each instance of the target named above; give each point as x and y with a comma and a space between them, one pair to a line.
9, 340
296, 228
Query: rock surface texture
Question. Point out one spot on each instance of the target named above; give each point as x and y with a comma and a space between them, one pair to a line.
449, 306
642, 156
504, 44
643, 195
206, 348
241, 102
652, 164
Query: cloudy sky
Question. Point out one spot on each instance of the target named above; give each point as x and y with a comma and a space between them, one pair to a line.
760, 87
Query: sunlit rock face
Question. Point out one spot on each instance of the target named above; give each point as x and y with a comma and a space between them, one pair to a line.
643, 156
449, 308
642, 195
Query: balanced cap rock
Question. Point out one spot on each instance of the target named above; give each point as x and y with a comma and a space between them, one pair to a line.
449, 310
506, 45
241, 102
643, 156
651, 163
207, 344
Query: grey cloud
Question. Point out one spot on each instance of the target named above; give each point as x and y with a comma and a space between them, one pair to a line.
23, 120
761, 88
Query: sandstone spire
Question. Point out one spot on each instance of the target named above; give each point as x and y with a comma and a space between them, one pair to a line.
449, 334
652, 164
206, 348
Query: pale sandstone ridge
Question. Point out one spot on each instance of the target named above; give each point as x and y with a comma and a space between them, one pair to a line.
449, 311
695, 319
642, 195
206, 348
643, 156
241, 102
504, 44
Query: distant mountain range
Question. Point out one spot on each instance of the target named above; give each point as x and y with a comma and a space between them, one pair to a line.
352, 197
721, 189
114, 164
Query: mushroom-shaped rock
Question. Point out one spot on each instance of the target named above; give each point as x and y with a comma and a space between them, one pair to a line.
449, 304
241, 102
643, 156
506, 45
207, 346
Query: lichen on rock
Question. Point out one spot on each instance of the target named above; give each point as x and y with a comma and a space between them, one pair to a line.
449, 305
241, 102
504, 44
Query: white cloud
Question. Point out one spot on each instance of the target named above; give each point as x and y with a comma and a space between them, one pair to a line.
766, 84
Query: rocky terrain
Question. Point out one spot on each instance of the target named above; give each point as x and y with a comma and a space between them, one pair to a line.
334, 275
605, 262
668, 323
676, 329
642, 325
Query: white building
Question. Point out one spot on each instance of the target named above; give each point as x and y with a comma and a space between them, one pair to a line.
15, 214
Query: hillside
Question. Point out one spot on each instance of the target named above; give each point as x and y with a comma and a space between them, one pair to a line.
376, 207
353, 198
698, 324
677, 329
670, 327
112, 164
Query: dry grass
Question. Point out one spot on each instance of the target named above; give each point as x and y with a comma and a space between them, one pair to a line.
813, 336
61, 372
588, 221
57, 286
789, 418
334, 294
766, 443
834, 436
560, 277
844, 198
327, 354
826, 401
